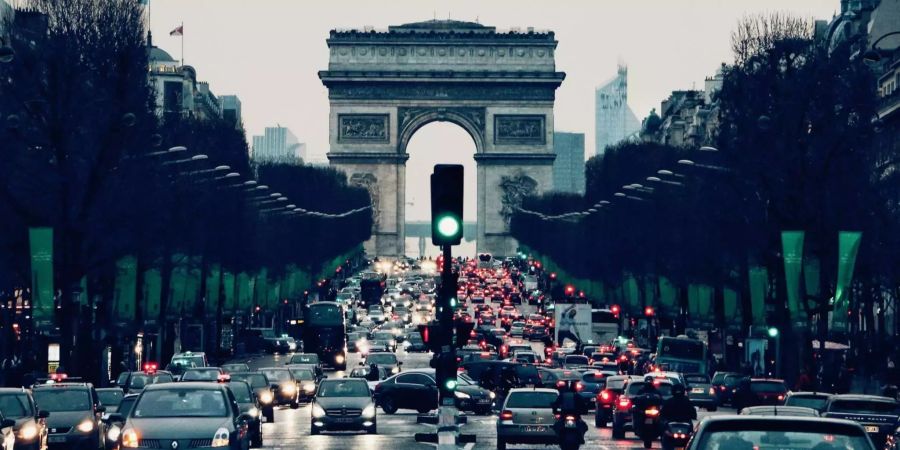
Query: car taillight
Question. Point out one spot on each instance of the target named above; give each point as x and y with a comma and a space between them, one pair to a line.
604, 396
579, 387
723, 388
560, 384
652, 412
506, 415
624, 403
780, 397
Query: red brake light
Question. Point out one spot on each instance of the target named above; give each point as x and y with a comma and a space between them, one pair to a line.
579, 387
604, 396
560, 384
722, 388
624, 403
780, 397
506, 415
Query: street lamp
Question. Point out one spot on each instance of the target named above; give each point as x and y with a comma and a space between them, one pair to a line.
171, 151
707, 148
874, 54
187, 160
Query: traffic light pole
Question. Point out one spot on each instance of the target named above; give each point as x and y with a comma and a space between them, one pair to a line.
448, 430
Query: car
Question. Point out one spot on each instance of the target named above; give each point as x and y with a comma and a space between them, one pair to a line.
766, 391
575, 362
527, 417
609, 397
307, 378
357, 341
114, 427
526, 357
701, 392
308, 359
7, 433
248, 404
767, 432
74, 415
488, 373
30, 427
110, 397
262, 388
195, 359
135, 382
343, 404
536, 333
414, 343
189, 415
725, 384
236, 367
278, 345
386, 337
408, 390
284, 386
814, 400
624, 407
517, 329
363, 372
604, 366
214, 374
877, 415
383, 359
590, 385
771, 410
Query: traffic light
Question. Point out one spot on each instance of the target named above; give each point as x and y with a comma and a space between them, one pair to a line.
447, 204
570, 290
615, 309
649, 311
463, 332
433, 336
445, 371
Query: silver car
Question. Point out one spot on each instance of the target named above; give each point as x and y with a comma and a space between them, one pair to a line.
527, 418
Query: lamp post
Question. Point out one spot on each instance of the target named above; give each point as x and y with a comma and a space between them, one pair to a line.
875, 54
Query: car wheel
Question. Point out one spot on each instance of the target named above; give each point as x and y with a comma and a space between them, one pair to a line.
269, 415
648, 444
313, 431
372, 430
501, 444
388, 405
598, 422
618, 432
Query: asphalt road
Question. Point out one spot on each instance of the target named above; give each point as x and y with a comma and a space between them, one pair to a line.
395, 432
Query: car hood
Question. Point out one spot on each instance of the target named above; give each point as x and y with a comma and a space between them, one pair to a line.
343, 402
178, 427
474, 391
22, 421
66, 419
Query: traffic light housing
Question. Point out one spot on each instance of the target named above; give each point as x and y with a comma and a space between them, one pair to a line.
447, 204
433, 336
463, 332
649, 311
446, 374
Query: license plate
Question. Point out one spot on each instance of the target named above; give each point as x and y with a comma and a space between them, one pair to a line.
56, 439
484, 401
535, 429
648, 421
871, 429
697, 390
343, 420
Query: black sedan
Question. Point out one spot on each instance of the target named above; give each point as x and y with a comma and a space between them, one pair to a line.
262, 389
249, 405
190, 415
31, 424
416, 389
343, 404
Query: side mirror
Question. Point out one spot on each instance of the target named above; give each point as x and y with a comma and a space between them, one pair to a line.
114, 418
42, 414
6, 423
399, 363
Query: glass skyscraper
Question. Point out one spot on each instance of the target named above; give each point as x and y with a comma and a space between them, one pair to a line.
613, 118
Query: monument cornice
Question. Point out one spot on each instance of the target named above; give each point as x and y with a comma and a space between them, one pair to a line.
515, 158
368, 157
368, 76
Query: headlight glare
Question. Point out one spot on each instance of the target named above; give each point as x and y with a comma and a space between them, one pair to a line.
289, 388
492, 395
395, 370
368, 412
309, 388
253, 412
113, 433
339, 359
220, 439
28, 432
86, 426
317, 411
130, 439
462, 395
266, 397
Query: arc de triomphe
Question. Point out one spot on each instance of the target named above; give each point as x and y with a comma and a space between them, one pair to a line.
498, 86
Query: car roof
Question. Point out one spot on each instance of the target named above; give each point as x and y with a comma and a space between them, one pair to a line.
69, 384
741, 422
13, 390
186, 385
512, 391
868, 398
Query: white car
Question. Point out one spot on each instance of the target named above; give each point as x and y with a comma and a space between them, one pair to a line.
376, 316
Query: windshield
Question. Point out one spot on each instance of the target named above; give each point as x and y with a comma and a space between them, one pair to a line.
201, 375
276, 375
325, 315
181, 403
303, 374
663, 389
126, 405
255, 380
864, 407
807, 402
780, 440
381, 358
63, 399
681, 348
767, 386
15, 406
343, 388
107, 398
531, 399
241, 392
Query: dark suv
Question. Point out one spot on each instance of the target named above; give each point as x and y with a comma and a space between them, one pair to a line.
624, 406
74, 415
31, 424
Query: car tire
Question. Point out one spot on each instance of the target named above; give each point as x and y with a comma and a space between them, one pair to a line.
257, 441
295, 404
313, 431
269, 414
388, 405
501, 444
617, 432
599, 422
372, 430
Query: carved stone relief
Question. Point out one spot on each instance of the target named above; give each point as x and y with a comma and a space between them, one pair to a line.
519, 129
363, 128
515, 189
369, 182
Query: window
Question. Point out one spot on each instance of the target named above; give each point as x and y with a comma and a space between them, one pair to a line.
241, 392
531, 399
15, 406
276, 375
416, 378
181, 403
767, 386
381, 358
343, 388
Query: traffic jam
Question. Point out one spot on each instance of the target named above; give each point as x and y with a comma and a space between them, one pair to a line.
533, 370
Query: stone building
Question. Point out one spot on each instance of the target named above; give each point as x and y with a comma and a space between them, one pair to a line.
568, 168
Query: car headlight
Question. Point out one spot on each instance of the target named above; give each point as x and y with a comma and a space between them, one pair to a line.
130, 439
86, 426
266, 398
288, 388
317, 411
28, 432
339, 359
220, 439
253, 412
113, 433
395, 370
462, 395
368, 412
492, 395
309, 388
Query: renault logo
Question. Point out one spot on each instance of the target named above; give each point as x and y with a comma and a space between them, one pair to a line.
174, 445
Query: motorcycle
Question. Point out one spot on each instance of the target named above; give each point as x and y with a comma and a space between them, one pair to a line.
647, 424
676, 435
570, 435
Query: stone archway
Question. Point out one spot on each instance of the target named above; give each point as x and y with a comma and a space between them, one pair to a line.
499, 87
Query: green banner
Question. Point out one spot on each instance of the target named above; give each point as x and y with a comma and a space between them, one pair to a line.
700, 303
229, 289
192, 284
730, 309
792, 252
811, 279
848, 246
631, 295
41, 243
177, 286
668, 298
759, 287
126, 288
213, 288
261, 289
152, 293
245, 292
274, 295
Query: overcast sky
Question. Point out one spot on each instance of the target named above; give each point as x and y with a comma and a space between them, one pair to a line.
268, 53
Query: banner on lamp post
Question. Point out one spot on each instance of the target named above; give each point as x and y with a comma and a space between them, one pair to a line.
759, 287
126, 288
792, 252
244, 292
848, 246
213, 288
152, 293
42, 303
229, 290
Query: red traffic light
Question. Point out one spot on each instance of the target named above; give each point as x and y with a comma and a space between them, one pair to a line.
570, 289
553, 275
649, 311
615, 309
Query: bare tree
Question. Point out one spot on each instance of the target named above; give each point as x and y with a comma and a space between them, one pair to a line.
757, 33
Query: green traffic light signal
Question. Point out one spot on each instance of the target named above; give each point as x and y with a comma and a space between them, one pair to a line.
451, 384
773, 332
447, 204
448, 226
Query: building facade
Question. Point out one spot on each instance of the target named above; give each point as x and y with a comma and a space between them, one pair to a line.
687, 118
230, 109
568, 168
176, 87
613, 118
278, 144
